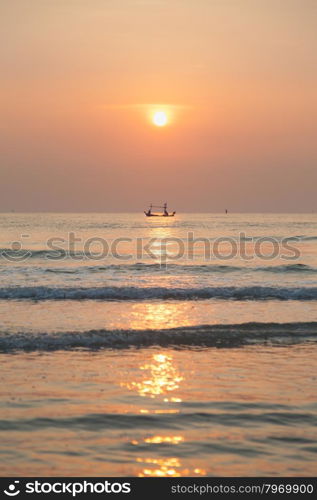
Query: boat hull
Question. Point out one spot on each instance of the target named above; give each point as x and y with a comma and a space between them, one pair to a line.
159, 215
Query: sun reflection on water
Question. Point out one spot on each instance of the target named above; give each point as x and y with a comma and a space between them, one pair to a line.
155, 315
160, 440
166, 467
164, 439
161, 378
160, 467
164, 244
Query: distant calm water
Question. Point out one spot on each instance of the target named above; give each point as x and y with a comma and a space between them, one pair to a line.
158, 346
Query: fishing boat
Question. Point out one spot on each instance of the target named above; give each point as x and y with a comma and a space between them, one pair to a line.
150, 213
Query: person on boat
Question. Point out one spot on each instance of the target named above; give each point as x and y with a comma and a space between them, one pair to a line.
165, 209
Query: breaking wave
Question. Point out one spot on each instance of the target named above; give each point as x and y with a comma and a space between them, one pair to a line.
159, 293
186, 268
222, 336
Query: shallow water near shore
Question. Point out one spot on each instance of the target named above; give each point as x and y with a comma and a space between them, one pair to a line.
160, 412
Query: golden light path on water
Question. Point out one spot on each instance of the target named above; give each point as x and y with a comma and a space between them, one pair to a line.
155, 315
161, 378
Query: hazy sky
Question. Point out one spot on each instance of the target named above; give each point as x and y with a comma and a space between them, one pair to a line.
238, 79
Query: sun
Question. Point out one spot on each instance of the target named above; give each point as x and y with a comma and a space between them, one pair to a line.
160, 119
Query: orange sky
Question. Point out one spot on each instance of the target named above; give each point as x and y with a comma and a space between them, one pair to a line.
78, 79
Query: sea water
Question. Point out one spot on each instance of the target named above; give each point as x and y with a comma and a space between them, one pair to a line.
176, 346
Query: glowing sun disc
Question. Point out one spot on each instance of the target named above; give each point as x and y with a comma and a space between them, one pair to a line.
160, 118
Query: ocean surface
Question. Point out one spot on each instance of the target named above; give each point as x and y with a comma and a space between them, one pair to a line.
181, 346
